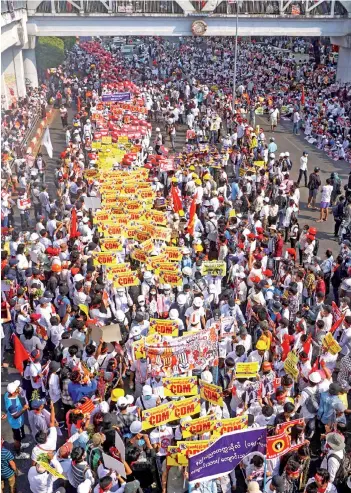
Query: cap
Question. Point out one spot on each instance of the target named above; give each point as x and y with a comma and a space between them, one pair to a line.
122, 402
136, 427
147, 390
37, 403
315, 377
13, 386
261, 345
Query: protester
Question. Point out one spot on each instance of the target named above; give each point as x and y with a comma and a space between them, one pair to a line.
159, 288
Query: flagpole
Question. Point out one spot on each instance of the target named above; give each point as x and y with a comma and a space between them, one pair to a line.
265, 472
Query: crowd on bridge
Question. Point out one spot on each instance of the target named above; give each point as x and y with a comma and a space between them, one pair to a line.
169, 297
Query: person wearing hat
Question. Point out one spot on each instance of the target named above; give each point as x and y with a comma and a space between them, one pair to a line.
147, 400
253, 487
260, 354
124, 418
40, 480
15, 414
335, 454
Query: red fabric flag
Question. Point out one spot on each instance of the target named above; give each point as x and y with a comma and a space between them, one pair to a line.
191, 223
20, 353
306, 346
315, 366
337, 324
177, 203
73, 230
277, 445
303, 95
285, 346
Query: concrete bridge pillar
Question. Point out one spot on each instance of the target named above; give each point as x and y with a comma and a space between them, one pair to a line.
343, 72
30, 63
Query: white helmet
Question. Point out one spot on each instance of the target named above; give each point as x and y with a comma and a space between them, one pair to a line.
187, 271
166, 287
198, 302
136, 427
173, 314
287, 154
157, 129
147, 275
272, 155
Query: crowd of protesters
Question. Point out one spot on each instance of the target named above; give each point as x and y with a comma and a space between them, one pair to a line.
225, 196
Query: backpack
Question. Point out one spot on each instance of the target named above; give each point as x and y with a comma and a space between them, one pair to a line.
316, 247
344, 471
312, 403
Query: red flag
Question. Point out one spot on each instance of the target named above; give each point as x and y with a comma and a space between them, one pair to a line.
306, 346
303, 95
177, 203
337, 324
20, 353
191, 223
285, 346
315, 366
73, 230
277, 445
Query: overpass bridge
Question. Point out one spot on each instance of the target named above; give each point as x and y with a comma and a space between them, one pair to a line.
23, 21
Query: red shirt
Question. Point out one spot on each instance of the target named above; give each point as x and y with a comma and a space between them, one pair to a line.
320, 286
278, 252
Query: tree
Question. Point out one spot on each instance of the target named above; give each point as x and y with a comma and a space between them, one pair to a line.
69, 42
49, 52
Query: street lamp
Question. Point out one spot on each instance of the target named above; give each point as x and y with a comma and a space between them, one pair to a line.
239, 4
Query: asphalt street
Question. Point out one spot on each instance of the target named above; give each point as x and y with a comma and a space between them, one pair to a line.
285, 141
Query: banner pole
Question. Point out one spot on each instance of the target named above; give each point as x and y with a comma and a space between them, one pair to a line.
265, 472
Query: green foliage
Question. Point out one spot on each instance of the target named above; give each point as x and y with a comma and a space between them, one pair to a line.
49, 52
69, 42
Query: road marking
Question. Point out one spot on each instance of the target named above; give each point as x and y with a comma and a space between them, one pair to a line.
292, 143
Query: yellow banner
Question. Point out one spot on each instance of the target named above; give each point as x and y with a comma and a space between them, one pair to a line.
171, 279
108, 244
157, 416
147, 246
172, 456
163, 327
247, 370
223, 426
169, 267
214, 268
180, 386
106, 139
138, 255
190, 448
51, 470
125, 280
186, 407
174, 254
211, 393
105, 258
290, 365
158, 217
331, 344
152, 263
199, 426
96, 145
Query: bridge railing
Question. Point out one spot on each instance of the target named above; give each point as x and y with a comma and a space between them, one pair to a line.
10, 6
113, 6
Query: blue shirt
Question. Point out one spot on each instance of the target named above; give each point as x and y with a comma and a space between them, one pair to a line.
6, 470
77, 391
272, 147
15, 423
326, 411
235, 190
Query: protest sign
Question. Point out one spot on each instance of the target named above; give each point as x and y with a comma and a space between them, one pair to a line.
119, 444
51, 470
125, 280
185, 407
157, 416
163, 327
108, 244
222, 456
188, 352
173, 254
172, 456
330, 344
278, 445
116, 97
213, 268
247, 370
228, 425
104, 258
290, 365
109, 333
286, 427
173, 279
199, 426
211, 393
189, 448
180, 386
114, 464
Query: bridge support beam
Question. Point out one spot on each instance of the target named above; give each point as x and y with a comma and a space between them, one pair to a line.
30, 62
343, 72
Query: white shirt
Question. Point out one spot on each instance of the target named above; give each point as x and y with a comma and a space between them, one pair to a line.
303, 163
49, 445
164, 437
42, 483
332, 465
